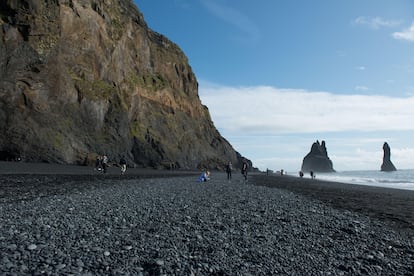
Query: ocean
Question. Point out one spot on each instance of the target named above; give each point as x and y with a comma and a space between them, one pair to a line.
401, 179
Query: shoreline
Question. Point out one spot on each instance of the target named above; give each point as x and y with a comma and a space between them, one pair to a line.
395, 206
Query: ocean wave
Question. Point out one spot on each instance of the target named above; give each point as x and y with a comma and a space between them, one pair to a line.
400, 179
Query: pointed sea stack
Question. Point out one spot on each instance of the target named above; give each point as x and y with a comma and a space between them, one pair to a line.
317, 159
387, 165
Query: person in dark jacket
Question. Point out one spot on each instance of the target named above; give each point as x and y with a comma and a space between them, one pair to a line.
123, 164
244, 170
229, 168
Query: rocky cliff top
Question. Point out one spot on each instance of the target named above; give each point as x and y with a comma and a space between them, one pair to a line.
84, 77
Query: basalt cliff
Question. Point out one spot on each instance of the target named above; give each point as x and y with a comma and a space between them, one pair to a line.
317, 159
85, 77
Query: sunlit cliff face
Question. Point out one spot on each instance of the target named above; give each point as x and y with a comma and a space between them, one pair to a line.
80, 78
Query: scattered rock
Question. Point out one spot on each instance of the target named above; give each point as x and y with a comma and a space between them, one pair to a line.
159, 262
136, 227
32, 246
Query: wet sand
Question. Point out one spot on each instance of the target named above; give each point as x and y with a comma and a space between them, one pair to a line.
394, 206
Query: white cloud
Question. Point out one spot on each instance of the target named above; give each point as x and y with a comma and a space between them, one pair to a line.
361, 88
358, 158
348, 151
184, 4
275, 127
341, 53
271, 110
361, 68
402, 156
233, 17
407, 34
375, 22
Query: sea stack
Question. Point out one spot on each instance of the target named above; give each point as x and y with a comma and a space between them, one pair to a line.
387, 165
317, 159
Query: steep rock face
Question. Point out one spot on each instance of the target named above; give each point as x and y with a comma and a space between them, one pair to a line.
387, 165
317, 159
86, 77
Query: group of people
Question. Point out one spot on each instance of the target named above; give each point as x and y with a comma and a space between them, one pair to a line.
102, 164
244, 169
311, 173
205, 175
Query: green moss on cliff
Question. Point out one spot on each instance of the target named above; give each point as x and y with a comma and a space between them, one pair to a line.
124, 98
117, 29
137, 129
58, 141
153, 82
94, 90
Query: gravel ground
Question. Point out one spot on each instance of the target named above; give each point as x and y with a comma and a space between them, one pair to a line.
53, 224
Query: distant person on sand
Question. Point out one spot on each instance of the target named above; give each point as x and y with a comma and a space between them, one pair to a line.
123, 165
300, 174
312, 174
105, 163
229, 168
98, 163
244, 170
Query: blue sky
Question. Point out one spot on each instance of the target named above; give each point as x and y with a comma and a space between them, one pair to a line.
278, 75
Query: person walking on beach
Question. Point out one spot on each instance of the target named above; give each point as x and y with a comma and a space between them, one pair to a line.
105, 163
244, 170
123, 165
229, 168
98, 163
312, 174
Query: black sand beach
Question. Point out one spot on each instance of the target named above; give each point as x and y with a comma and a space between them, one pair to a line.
394, 206
72, 220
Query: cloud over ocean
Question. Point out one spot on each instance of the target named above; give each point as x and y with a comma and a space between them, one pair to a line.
293, 118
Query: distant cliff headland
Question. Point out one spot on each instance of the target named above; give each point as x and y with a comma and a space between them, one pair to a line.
83, 77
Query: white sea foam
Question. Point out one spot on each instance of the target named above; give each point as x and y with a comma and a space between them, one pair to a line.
401, 179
